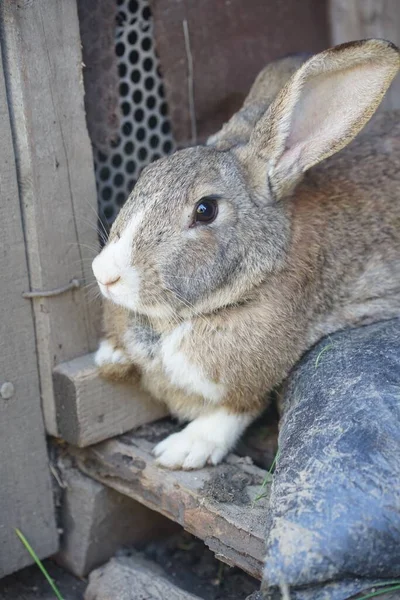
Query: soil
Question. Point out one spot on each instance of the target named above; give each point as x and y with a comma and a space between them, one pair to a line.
229, 484
185, 560
194, 568
30, 584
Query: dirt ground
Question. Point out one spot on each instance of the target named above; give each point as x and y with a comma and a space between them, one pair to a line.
193, 567
185, 560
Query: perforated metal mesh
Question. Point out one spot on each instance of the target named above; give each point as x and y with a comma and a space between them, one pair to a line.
145, 132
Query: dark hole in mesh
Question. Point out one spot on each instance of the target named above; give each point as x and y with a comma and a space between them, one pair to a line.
124, 89
127, 128
118, 180
151, 102
120, 49
131, 184
161, 90
125, 107
142, 153
146, 13
167, 147
129, 147
120, 18
106, 193
104, 173
133, 57
166, 127
146, 43
152, 122
120, 198
122, 69
109, 213
137, 96
164, 109
116, 142
149, 83
101, 157
154, 141
130, 166
155, 156
147, 64
116, 160
141, 134
139, 115
135, 76
133, 6
132, 38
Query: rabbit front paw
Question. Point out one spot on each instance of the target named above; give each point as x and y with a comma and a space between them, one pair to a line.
107, 354
206, 440
188, 451
113, 363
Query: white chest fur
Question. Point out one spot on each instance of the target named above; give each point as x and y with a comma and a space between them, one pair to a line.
175, 354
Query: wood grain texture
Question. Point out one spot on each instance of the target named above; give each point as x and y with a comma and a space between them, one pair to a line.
43, 67
359, 19
25, 490
230, 42
91, 409
235, 532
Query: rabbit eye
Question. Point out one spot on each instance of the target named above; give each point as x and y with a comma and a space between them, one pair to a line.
206, 210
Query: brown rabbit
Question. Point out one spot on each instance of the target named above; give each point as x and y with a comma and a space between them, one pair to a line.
229, 261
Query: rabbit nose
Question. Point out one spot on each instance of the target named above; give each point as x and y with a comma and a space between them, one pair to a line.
105, 274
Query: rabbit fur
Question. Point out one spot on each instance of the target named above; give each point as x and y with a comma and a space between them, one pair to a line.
209, 317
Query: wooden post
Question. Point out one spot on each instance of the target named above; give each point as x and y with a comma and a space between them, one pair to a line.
43, 70
358, 19
25, 490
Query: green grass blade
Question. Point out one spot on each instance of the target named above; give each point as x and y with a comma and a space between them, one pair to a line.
39, 563
383, 590
328, 347
267, 479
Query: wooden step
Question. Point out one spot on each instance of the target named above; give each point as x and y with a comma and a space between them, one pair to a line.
217, 504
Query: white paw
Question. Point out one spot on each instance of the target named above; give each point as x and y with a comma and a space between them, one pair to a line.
108, 354
188, 450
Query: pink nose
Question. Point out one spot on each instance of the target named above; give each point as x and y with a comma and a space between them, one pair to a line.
110, 282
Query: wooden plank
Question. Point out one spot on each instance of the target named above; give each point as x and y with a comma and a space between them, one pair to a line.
25, 491
97, 521
91, 409
227, 43
359, 19
233, 529
131, 578
43, 67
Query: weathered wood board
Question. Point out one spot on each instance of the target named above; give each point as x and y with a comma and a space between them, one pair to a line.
234, 529
25, 490
91, 409
359, 19
43, 69
224, 47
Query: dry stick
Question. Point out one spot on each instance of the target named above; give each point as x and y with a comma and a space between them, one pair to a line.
189, 57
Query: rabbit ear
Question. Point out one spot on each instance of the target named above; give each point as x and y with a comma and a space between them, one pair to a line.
320, 110
264, 90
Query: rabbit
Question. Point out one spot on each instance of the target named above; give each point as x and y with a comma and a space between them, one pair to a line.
229, 260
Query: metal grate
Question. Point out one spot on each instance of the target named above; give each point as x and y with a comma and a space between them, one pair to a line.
145, 132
